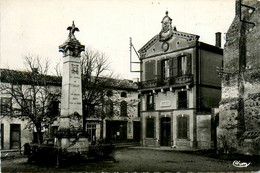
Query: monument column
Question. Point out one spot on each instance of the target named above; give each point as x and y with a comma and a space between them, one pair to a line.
71, 98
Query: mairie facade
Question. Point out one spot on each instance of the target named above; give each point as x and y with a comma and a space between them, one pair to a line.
178, 89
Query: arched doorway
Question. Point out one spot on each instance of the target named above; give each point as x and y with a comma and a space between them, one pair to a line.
165, 131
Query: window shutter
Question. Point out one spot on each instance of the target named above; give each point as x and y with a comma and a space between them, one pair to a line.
175, 66
146, 70
189, 64
150, 70
182, 127
159, 69
171, 66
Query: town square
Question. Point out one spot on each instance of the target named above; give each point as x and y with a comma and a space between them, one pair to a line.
131, 86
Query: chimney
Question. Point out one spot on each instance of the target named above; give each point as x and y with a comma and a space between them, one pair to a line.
237, 7
218, 39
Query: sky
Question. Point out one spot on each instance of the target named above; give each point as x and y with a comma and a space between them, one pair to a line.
38, 27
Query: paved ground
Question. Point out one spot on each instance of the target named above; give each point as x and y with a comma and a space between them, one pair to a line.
137, 160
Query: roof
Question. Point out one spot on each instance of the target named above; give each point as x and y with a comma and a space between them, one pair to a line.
23, 77
189, 37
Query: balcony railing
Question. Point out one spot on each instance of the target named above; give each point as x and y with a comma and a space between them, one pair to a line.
166, 82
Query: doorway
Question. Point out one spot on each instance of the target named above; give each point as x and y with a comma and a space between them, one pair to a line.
165, 131
15, 136
137, 131
116, 131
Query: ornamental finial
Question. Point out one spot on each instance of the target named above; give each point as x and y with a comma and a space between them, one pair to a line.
166, 12
72, 30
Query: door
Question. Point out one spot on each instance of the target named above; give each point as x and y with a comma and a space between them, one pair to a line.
116, 131
166, 131
15, 136
137, 131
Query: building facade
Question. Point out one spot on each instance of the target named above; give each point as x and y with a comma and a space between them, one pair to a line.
179, 87
122, 125
122, 120
239, 116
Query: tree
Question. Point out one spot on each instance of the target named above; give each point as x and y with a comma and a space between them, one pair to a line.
32, 94
96, 77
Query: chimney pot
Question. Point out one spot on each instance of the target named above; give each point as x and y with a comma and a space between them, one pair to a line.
218, 39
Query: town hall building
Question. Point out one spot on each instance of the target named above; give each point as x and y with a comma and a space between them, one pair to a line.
179, 87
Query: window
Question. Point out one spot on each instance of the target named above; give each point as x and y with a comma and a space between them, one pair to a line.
55, 107
109, 93
123, 108
6, 105
182, 99
149, 70
165, 69
109, 108
182, 127
150, 102
26, 106
15, 136
91, 131
123, 94
53, 130
150, 127
184, 65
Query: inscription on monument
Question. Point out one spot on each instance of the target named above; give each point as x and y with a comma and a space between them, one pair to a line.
75, 68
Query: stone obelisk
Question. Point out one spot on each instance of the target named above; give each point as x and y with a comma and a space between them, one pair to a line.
71, 98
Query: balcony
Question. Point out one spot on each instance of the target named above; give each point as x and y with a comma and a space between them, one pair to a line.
178, 80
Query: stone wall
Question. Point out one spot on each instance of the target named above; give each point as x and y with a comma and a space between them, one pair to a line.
240, 103
204, 131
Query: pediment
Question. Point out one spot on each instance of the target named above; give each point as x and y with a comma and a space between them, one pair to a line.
178, 40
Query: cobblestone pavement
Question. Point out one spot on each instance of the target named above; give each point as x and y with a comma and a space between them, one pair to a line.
137, 160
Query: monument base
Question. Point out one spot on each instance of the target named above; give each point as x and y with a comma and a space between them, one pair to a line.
70, 136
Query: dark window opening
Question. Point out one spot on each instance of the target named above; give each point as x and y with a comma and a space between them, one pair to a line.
123, 108
150, 102
138, 109
6, 105
55, 108
123, 94
109, 93
53, 131
15, 136
109, 108
182, 127
150, 127
165, 69
182, 100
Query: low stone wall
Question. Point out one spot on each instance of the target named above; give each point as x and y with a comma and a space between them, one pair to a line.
204, 131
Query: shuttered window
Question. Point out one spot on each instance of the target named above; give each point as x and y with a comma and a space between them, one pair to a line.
174, 66
182, 127
150, 127
184, 65
150, 70
165, 69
